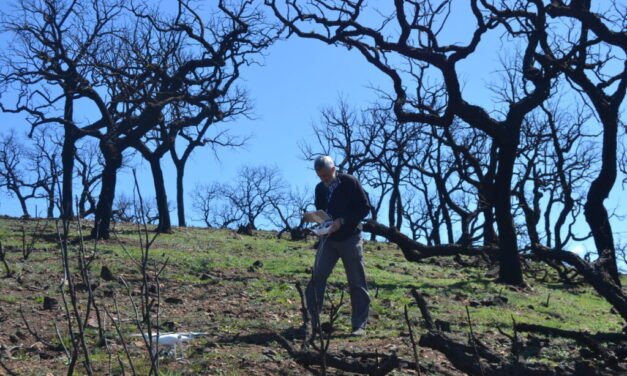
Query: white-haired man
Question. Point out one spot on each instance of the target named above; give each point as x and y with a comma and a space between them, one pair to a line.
344, 199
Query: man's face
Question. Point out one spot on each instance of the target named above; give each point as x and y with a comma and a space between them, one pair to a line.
326, 175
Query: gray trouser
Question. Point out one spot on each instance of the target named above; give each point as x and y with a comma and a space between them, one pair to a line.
351, 253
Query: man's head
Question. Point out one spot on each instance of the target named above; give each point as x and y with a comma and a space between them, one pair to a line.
325, 168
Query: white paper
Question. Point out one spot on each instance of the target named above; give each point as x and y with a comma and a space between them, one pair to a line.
319, 216
321, 230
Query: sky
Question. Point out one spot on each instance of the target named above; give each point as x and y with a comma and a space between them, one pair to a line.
296, 80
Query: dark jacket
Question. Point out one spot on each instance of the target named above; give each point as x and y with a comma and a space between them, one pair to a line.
348, 201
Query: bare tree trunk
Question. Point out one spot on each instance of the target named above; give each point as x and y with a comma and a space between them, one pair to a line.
53, 185
67, 160
510, 271
594, 210
104, 209
22, 201
161, 196
489, 235
399, 211
392, 206
180, 195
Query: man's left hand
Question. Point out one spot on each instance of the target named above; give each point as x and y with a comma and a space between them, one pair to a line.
335, 226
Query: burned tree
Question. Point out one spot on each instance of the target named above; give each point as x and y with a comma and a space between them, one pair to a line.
17, 176
343, 133
89, 165
594, 62
46, 156
414, 39
49, 65
287, 211
252, 190
199, 136
152, 69
208, 200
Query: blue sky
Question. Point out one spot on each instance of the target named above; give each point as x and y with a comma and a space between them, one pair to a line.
299, 77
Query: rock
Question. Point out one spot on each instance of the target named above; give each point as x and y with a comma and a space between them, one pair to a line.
270, 353
50, 303
443, 326
83, 287
92, 322
169, 326
391, 347
37, 346
105, 273
173, 300
585, 353
585, 367
327, 327
46, 356
500, 299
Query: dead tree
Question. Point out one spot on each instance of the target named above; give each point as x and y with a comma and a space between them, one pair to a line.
339, 23
199, 135
89, 165
49, 61
153, 70
585, 60
394, 147
288, 207
208, 200
343, 134
252, 190
474, 160
45, 156
18, 176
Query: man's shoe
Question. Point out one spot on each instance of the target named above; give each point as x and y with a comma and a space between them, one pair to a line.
359, 332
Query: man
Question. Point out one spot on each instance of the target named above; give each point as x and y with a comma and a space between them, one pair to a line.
345, 201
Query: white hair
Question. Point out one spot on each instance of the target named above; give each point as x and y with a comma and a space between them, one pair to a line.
323, 162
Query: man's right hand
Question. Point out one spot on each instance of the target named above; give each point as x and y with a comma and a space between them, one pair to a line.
335, 226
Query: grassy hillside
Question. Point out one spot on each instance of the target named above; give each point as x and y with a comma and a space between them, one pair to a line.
240, 288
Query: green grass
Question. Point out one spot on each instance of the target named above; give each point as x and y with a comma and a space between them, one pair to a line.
9, 299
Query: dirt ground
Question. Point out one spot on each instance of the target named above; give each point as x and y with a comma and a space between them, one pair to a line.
239, 327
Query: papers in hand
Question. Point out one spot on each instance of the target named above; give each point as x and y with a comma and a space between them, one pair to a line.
323, 229
318, 216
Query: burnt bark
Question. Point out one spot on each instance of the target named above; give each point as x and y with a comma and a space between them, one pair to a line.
510, 270
104, 208
180, 197
68, 154
595, 275
164, 225
415, 251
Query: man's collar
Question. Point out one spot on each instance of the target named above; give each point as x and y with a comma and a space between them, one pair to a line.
334, 181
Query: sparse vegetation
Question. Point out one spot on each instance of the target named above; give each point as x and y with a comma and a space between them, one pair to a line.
220, 292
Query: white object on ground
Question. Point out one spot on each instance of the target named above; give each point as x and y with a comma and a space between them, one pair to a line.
171, 340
